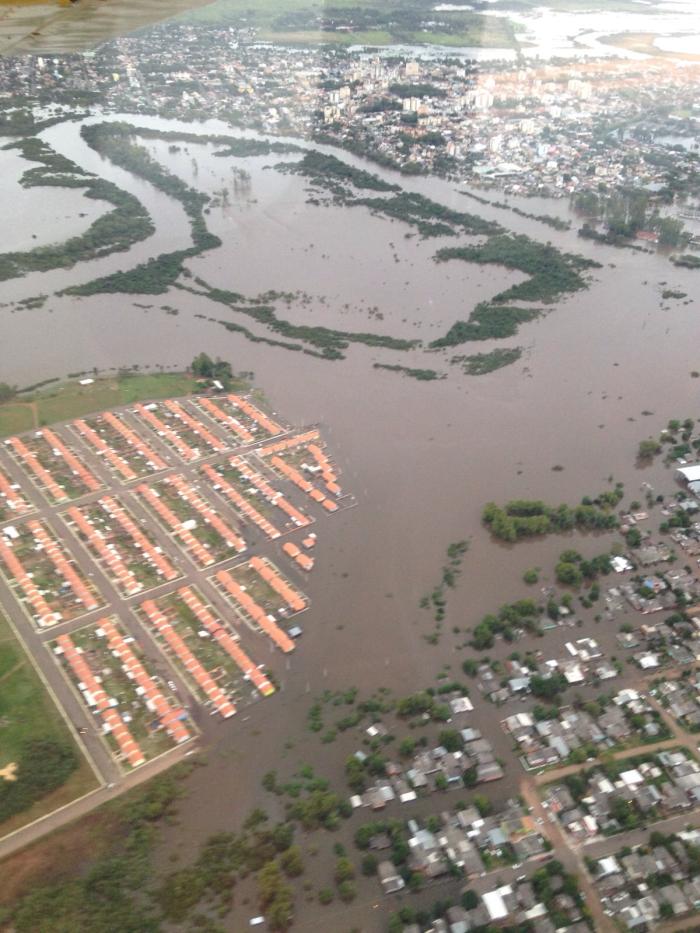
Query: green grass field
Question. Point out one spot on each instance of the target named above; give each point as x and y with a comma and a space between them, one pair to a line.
409, 23
71, 400
28, 712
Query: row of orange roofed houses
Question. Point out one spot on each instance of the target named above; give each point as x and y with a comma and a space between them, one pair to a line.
109, 552
312, 491
256, 613
60, 449
193, 545
322, 462
255, 414
177, 409
42, 474
104, 450
264, 569
161, 428
113, 561
116, 511
273, 496
43, 613
136, 442
297, 555
226, 641
171, 717
63, 566
218, 414
13, 496
95, 695
206, 683
186, 492
240, 502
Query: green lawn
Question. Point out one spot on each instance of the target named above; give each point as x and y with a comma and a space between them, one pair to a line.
407, 23
71, 400
15, 417
316, 37
28, 712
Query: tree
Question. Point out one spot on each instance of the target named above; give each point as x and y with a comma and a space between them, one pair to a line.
547, 688
369, 864
347, 891
470, 900
469, 777
451, 740
531, 576
648, 449
291, 862
6, 392
344, 870
483, 804
203, 366
568, 574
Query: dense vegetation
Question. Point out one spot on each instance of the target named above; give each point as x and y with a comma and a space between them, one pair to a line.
325, 169
524, 518
114, 231
522, 614
481, 363
551, 272
329, 341
42, 766
549, 219
236, 146
204, 367
404, 91
625, 213
116, 887
115, 142
486, 322
687, 261
423, 375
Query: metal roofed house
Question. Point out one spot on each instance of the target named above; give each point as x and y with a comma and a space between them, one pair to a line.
690, 474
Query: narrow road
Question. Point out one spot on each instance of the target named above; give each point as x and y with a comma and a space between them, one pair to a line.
568, 855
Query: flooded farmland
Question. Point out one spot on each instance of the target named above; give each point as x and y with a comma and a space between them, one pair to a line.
421, 457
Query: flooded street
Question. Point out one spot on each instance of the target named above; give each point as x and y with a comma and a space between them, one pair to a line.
421, 458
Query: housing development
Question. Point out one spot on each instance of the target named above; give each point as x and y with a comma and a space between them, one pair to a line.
140, 563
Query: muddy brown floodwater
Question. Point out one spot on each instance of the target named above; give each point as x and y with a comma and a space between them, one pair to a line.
422, 458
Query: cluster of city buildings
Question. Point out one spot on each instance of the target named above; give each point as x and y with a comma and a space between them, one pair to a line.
534, 128
466, 840
432, 769
584, 662
648, 884
628, 795
542, 740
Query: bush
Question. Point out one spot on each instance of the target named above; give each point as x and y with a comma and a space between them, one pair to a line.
43, 765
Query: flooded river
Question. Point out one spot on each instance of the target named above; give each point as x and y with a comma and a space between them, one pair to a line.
422, 458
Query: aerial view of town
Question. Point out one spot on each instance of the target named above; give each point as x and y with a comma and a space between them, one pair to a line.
350, 559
